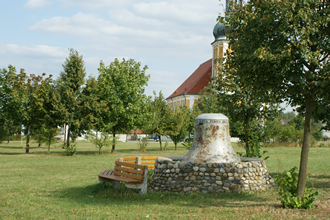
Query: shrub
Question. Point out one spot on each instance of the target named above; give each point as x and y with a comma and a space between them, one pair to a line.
287, 183
254, 149
71, 150
166, 145
143, 143
187, 144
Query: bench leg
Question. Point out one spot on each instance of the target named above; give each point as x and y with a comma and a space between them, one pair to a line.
143, 190
143, 186
116, 184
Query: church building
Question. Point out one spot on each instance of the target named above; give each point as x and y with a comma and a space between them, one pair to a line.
188, 92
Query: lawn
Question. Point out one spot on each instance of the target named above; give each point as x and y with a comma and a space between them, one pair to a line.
42, 186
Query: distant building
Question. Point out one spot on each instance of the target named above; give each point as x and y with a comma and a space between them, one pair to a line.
188, 92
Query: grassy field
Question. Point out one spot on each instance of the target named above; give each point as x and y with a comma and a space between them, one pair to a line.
42, 186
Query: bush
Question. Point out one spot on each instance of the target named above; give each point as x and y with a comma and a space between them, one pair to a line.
287, 182
187, 144
254, 149
71, 150
143, 143
166, 145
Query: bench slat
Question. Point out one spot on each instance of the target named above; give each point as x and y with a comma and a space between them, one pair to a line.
121, 179
149, 158
127, 175
130, 165
128, 158
147, 162
129, 170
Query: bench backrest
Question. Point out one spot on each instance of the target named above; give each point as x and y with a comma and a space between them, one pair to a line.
129, 170
150, 161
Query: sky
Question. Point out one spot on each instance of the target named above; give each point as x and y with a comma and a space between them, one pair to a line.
171, 37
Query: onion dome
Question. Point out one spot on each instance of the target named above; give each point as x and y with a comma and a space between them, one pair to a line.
219, 32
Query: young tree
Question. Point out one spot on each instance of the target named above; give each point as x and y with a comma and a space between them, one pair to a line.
156, 117
121, 85
25, 98
68, 98
48, 134
102, 139
282, 49
178, 123
11, 103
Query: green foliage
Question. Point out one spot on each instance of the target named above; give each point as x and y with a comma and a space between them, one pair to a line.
187, 144
287, 183
121, 85
178, 121
166, 145
156, 117
71, 150
102, 140
68, 99
281, 48
143, 143
254, 149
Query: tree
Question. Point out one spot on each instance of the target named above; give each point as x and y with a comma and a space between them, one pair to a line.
121, 85
25, 98
156, 117
103, 139
282, 49
68, 97
11, 103
178, 123
48, 134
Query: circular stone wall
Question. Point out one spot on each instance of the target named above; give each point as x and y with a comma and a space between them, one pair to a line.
172, 174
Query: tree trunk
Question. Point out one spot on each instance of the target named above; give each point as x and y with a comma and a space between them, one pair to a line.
113, 139
28, 139
246, 133
305, 147
68, 137
9, 138
176, 144
160, 143
64, 134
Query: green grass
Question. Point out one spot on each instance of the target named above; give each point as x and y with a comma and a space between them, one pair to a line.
42, 186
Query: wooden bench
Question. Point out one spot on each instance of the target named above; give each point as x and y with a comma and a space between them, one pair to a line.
150, 161
133, 175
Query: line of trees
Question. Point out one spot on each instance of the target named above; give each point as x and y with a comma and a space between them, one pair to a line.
113, 102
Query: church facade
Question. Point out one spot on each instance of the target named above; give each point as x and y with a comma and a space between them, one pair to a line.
189, 91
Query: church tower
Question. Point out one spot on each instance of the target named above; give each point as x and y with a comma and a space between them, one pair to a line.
220, 46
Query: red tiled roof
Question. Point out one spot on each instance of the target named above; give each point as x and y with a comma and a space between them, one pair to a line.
196, 81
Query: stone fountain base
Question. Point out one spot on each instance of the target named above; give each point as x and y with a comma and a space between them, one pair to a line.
172, 174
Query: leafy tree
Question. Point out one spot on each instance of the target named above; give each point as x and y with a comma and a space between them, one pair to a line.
156, 117
103, 139
178, 122
25, 98
11, 103
282, 49
48, 134
67, 100
121, 85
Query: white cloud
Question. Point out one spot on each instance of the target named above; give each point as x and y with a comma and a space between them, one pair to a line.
36, 3
97, 4
34, 59
35, 51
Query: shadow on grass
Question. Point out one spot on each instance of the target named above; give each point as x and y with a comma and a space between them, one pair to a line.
12, 153
319, 182
103, 193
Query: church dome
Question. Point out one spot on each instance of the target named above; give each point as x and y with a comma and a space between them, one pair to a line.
219, 32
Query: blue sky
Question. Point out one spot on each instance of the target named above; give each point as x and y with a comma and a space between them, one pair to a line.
171, 37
